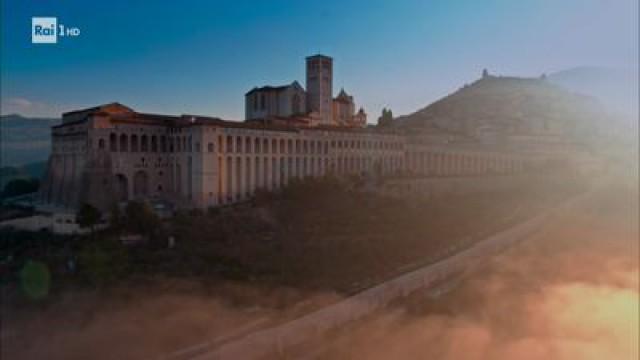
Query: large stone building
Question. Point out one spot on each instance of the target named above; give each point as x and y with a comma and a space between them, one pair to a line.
111, 153
315, 106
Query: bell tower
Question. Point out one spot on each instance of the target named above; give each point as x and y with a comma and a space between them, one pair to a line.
320, 86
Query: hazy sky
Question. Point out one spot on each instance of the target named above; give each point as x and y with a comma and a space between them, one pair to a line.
200, 57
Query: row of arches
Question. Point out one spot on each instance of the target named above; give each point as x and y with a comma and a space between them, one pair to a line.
248, 145
440, 163
240, 176
139, 189
146, 143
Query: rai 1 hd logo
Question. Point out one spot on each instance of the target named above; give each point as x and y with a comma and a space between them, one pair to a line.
46, 30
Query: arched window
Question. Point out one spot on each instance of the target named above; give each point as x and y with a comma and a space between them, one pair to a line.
144, 145
123, 143
113, 142
229, 144
247, 145
163, 143
256, 146
134, 143
238, 144
154, 143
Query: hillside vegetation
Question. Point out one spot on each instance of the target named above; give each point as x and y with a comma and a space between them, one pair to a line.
318, 234
512, 105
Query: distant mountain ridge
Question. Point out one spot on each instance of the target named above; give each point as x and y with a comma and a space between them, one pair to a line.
616, 88
512, 105
25, 140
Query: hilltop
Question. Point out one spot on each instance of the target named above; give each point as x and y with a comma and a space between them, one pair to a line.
511, 105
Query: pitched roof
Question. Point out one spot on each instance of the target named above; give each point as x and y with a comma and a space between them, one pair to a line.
274, 88
343, 94
99, 108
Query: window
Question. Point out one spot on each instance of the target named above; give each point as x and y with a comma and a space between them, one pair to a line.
144, 146
210, 147
154, 143
113, 143
123, 143
101, 144
134, 143
163, 144
229, 144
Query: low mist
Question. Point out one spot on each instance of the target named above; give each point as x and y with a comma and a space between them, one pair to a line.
570, 292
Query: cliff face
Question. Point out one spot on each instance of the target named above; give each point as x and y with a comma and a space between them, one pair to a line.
511, 105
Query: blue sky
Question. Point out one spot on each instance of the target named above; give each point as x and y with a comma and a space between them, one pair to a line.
200, 57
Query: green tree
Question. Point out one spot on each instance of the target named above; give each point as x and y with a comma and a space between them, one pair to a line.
140, 218
88, 217
115, 217
19, 187
103, 262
